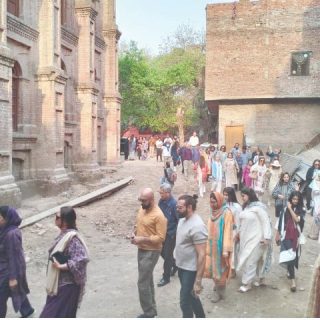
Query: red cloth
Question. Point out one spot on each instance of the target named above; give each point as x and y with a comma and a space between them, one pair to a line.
292, 233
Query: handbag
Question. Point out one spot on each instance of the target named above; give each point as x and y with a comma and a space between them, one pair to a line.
60, 257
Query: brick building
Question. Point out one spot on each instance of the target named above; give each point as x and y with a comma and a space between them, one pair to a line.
263, 72
59, 99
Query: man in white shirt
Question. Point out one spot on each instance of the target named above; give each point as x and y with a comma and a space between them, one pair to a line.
194, 140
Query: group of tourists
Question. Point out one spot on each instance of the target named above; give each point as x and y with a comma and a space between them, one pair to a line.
66, 269
235, 242
237, 238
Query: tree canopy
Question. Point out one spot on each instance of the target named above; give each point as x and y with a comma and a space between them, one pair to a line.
155, 88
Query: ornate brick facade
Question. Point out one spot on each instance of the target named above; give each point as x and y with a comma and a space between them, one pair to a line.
59, 98
263, 70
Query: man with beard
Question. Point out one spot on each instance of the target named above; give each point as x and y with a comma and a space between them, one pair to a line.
148, 236
190, 255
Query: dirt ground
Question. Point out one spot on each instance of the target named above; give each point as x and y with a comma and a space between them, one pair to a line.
112, 272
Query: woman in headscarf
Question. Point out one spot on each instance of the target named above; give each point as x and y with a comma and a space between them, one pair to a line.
66, 272
13, 280
281, 192
255, 255
289, 228
219, 245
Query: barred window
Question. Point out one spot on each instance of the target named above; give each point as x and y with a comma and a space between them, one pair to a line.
300, 63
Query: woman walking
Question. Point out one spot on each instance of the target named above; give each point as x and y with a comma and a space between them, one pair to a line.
13, 280
219, 245
246, 179
315, 196
281, 192
217, 173
66, 272
232, 203
202, 172
231, 169
255, 235
258, 182
289, 227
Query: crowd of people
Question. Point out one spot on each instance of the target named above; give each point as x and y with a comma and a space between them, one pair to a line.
237, 241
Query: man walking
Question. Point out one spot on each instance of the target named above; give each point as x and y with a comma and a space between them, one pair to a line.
168, 205
190, 255
148, 236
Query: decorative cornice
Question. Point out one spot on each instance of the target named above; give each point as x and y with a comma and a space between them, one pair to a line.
87, 11
18, 27
51, 74
83, 88
6, 61
21, 138
69, 37
100, 43
112, 33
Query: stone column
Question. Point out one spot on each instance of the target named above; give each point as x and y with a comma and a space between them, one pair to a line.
86, 164
9, 192
51, 89
112, 98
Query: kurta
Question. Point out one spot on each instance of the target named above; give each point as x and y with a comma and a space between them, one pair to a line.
258, 184
247, 181
13, 266
255, 226
230, 169
71, 282
220, 240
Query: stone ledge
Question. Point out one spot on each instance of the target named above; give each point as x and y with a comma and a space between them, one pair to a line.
80, 201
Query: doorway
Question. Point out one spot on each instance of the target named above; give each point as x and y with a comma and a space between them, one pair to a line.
233, 134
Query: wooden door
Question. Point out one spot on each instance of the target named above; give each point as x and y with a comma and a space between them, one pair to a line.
233, 134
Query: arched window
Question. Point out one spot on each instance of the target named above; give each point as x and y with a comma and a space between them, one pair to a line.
16, 74
13, 7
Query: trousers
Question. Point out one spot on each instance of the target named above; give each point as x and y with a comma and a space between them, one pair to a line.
147, 260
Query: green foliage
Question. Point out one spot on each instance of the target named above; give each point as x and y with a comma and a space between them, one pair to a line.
153, 88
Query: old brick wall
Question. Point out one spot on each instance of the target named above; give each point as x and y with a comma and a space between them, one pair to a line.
283, 125
249, 46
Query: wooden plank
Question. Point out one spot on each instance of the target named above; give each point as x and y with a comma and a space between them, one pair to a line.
80, 201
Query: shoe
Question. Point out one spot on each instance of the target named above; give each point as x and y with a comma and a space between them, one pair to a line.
145, 316
162, 282
245, 288
173, 271
259, 283
30, 314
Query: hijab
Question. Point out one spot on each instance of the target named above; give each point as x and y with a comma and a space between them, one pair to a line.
13, 221
221, 206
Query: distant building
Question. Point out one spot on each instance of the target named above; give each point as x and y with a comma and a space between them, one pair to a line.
263, 72
59, 98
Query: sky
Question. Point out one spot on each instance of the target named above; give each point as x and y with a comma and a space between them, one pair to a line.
149, 21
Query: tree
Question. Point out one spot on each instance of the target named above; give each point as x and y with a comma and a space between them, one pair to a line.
162, 92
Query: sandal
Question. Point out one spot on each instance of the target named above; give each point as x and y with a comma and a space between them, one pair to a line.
259, 283
245, 288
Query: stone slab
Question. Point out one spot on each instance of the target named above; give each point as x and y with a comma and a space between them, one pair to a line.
80, 201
